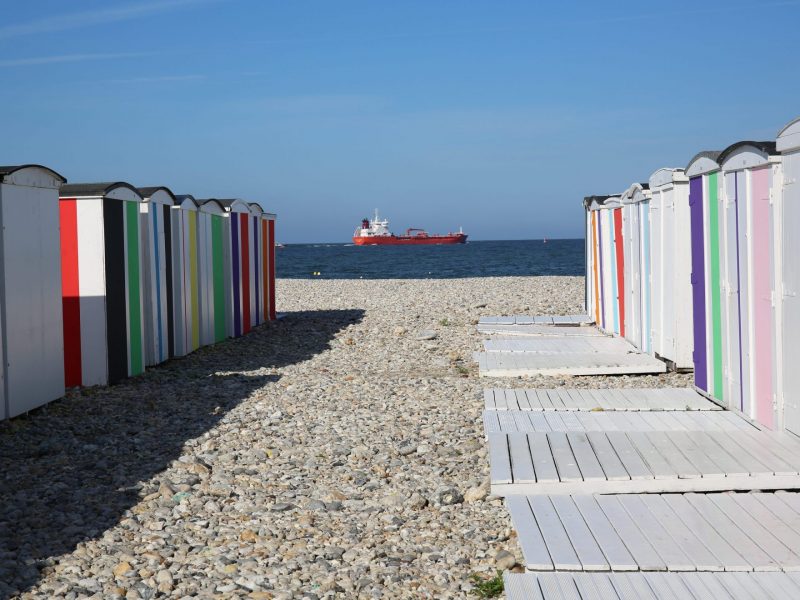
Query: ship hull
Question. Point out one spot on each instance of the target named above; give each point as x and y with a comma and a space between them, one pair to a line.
410, 240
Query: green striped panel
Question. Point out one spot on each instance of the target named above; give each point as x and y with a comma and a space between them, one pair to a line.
219, 279
716, 311
134, 298
193, 283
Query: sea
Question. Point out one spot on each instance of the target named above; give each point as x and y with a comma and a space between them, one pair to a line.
473, 259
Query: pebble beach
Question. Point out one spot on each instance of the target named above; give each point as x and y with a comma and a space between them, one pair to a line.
336, 453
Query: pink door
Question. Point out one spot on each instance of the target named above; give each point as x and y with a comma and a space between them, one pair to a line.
762, 297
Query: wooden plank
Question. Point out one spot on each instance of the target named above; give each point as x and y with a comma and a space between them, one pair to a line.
633, 538
543, 462
521, 463
565, 460
632, 586
618, 556
594, 586
734, 536
673, 555
499, 459
520, 586
609, 461
489, 402
764, 451
581, 538
673, 454
751, 526
584, 455
700, 461
537, 330
534, 549
555, 536
630, 458
667, 585
499, 364
656, 463
695, 550
773, 523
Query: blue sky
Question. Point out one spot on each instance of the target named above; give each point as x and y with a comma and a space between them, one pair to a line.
495, 115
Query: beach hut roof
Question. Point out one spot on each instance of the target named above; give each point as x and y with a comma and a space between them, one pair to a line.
211, 206
589, 200
635, 193
7, 171
256, 207
148, 192
667, 175
765, 149
703, 162
789, 136
96, 189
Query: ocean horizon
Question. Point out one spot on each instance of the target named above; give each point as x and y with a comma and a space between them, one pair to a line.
481, 258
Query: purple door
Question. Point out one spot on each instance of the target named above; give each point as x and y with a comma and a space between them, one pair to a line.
698, 283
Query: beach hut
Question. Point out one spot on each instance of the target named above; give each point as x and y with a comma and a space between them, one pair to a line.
31, 327
155, 213
101, 258
636, 264
713, 286
788, 144
256, 272
613, 264
749, 170
240, 222
268, 265
594, 276
214, 269
671, 259
185, 276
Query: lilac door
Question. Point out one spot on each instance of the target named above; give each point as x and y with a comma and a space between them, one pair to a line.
698, 283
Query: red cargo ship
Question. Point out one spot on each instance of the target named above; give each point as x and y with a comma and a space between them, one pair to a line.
376, 233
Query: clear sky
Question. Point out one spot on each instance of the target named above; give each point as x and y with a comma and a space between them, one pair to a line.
496, 115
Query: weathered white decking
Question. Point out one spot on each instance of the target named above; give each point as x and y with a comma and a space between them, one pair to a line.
538, 320
659, 532
539, 330
610, 462
514, 421
560, 345
526, 364
652, 586
627, 399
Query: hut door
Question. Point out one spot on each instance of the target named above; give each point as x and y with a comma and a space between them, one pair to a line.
698, 283
791, 290
762, 297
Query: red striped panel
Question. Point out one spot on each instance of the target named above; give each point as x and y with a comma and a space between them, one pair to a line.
265, 305
71, 292
246, 322
272, 269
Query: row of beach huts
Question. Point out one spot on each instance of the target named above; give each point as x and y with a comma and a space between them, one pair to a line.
99, 281
700, 266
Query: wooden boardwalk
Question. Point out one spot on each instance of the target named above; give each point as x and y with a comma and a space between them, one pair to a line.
627, 399
560, 320
560, 345
513, 421
652, 586
608, 462
538, 330
655, 532
525, 364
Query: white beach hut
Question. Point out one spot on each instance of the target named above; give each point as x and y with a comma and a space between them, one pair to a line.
788, 144
636, 265
671, 263
31, 326
185, 276
750, 170
156, 225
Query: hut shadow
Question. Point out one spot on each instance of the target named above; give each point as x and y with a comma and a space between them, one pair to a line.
71, 470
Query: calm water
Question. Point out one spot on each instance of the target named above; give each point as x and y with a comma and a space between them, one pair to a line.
473, 259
